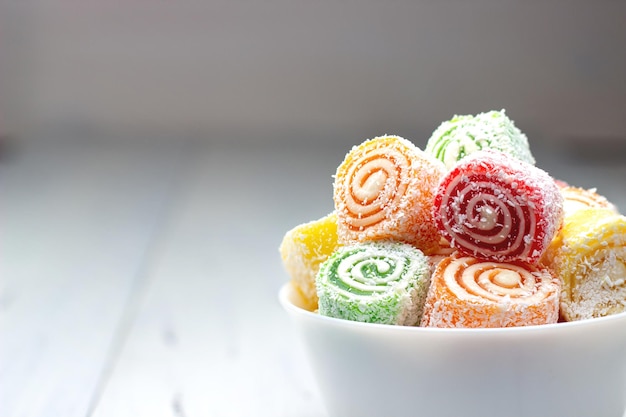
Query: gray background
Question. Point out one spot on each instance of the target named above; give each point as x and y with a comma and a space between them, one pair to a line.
296, 70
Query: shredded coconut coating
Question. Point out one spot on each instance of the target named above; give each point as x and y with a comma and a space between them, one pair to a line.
462, 135
303, 249
496, 207
575, 198
505, 243
466, 292
383, 190
374, 282
589, 256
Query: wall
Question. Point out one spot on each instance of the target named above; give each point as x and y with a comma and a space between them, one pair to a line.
277, 67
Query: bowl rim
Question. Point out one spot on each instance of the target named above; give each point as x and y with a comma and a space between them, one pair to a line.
287, 290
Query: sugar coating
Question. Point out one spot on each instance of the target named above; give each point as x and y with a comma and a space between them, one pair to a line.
374, 282
462, 135
303, 249
383, 190
466, 292
589, 255
494, 206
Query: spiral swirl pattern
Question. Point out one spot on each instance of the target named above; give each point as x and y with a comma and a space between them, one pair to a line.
379, 282
469, 292
376, 185
575, 199
450, 142
498, 208
462, 135
384, 190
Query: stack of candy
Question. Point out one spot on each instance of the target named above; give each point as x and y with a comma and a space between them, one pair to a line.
465, 233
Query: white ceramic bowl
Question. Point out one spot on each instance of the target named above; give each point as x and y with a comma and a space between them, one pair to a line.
558, 370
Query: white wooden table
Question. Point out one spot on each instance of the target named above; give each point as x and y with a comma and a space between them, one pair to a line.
141, 280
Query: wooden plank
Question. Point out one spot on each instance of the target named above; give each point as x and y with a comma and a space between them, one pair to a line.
210, 338
76, 222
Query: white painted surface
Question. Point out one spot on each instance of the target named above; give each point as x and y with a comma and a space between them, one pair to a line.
77, 225
210, 338
142, 281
